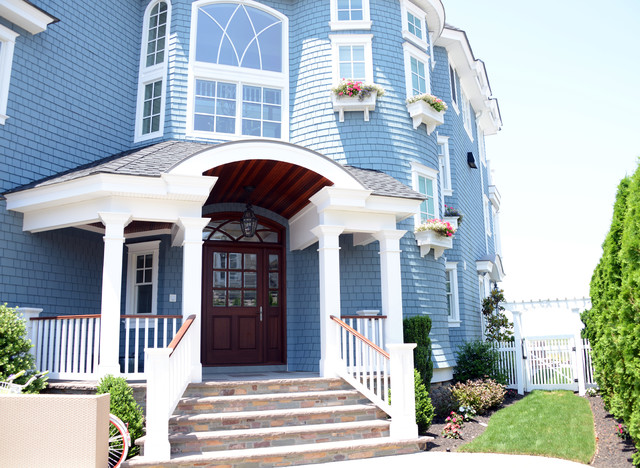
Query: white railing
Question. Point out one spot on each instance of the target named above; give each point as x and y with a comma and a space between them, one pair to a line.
168, 374
507, 363
383, 377
68, 346
589, 379
369, 326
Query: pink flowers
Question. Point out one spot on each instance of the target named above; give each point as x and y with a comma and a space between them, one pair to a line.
452, 428
358, 89
437, 225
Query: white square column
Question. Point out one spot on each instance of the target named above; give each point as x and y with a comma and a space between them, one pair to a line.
391, 278
114, 224
192, 284
329, 259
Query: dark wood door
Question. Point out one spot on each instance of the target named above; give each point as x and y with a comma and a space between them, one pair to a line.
242, 311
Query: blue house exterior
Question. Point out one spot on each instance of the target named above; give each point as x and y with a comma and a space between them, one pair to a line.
134, 133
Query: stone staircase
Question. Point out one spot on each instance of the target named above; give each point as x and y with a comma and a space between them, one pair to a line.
266, 423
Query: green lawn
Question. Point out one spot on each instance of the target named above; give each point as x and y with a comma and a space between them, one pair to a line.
555, 424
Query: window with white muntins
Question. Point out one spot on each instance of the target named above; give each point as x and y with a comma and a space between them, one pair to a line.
466, 113
414, 24
453, 82
352, 57
238, 71
7, 45
416, 65
451, 285
425, 181
349, 14
153, 70
142, 278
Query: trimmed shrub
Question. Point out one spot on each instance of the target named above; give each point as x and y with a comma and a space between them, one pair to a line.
14, 350
497, 325
477, 360
416, 330
124, 406
424, 408
480, 395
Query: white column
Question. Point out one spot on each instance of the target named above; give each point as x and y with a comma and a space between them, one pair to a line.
403, 396
391, 278
192, 284
156, 445
517, 336
329, 256
114, 224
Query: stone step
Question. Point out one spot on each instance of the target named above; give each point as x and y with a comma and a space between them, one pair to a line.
252, 387
275, 418
267, 402
276, 436
289, 455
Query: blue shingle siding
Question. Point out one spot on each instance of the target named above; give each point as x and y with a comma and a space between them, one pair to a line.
73, 100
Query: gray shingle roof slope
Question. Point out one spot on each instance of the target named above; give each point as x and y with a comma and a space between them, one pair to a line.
156, 159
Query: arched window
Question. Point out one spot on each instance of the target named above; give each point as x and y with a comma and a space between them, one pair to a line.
153, 70
239, 71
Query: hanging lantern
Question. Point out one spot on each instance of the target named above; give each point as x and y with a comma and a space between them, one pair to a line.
249, 222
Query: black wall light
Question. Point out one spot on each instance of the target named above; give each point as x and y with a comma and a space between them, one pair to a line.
249, 222
471, 160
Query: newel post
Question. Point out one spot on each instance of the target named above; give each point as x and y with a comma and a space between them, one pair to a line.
27, 314
580, 364
403, 397
156, 445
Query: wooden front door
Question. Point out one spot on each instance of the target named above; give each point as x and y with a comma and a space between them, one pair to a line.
243, 312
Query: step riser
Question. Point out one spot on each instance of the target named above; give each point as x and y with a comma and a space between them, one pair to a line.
276, 440
292, 459
267, 404
231, 423
257, 388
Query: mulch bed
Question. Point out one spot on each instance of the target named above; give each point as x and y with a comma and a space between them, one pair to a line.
611, 451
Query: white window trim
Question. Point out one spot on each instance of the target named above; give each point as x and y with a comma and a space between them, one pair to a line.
418, 169
454, 87
230, 74
466, 113
134, 250
452, 268
148, 75
445, 166
412, 51
364, 23
481, 147
408, 7
8, 40
338, 40
433, 59
486, 212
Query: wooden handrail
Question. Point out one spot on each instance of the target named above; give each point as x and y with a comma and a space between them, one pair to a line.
183, 330
70, 317
358, 335
377, 317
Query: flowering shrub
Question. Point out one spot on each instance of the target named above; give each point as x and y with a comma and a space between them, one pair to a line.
350, 88
591, 392
439, 226
437, 103
622, 431
454, 422
467, 412
452, 212
480, 395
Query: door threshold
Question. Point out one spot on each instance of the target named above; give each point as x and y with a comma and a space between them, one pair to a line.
242, 369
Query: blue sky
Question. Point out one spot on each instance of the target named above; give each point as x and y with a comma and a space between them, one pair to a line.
566, 74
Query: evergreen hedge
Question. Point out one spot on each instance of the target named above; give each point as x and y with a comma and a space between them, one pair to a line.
416, 330
613, 322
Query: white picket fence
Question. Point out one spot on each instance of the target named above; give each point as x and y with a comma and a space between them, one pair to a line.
547, 363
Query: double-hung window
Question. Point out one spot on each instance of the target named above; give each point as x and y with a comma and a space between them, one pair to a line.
453, 82
349, 14
7, 43
466, 113
153, 70
445, 165
414, 24
416, 63
352, 57
238, 74
451, 285
142, 278
425, 181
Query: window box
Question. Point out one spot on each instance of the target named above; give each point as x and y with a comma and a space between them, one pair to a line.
428, 240
421, 112
342, 104
453, 220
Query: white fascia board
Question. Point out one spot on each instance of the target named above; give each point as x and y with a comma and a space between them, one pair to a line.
442, 375
300, 226
25, 15
86, 212
99, 186
401, 208
360, 221
435, 15
340, 198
